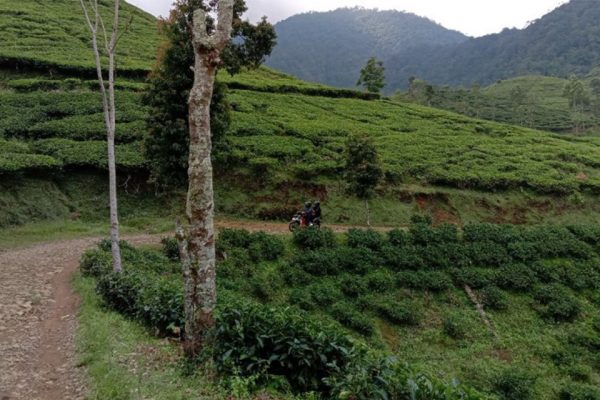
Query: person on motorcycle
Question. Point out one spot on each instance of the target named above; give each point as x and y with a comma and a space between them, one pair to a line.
316, 211
308, 213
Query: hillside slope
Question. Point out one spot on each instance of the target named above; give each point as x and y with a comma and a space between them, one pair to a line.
52, 35
332, 47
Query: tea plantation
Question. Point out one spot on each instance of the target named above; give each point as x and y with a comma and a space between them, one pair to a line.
403, 294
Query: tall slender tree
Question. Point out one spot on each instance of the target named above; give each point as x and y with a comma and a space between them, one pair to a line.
197, 241
372, 76
96, 25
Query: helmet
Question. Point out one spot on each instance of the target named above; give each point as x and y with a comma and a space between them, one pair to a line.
317, 203
308, 204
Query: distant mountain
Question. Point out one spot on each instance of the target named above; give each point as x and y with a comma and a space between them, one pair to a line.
332, 47
565, 41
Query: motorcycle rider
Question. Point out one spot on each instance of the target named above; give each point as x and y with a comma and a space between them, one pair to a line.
316, 211
308, 212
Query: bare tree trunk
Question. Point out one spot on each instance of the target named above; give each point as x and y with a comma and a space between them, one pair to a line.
197, 245
95, 23
368, 213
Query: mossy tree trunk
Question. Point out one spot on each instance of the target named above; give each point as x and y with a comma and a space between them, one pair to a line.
197, 242
107, 89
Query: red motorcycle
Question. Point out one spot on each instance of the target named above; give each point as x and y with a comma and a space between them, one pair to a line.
300, 221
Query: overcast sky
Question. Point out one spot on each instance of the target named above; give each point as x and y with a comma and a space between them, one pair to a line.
472, 17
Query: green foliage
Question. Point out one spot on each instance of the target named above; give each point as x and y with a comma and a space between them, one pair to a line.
317, 262
56, 38
516, 384
557, 303
579, 391
254, 339
313, 238
167, 146
259, 245
348, 316
494, 298
454, 325
170, 248
372, 76
363, 169
365, 238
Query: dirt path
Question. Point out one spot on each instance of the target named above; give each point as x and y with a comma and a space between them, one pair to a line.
38, 318
38, 315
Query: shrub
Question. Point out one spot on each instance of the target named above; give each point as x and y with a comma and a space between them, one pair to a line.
405, 313
399, 238
587, 233
474, 277
256, 340
365, 238
516, 276
580, 372
302, 298
348, 316
515, 384
445, 255
371, 377
494, 298
353, 286
454, 325
402, 258
95, 263
435, 281
523, 251
579, 391
120, 291
357, 260
501, 234
265, 284
422, 234
317, 262
558, 304
231, 238
488, 254
324, 293
313, 238
159, 304
170, 248
265, 247
380, 281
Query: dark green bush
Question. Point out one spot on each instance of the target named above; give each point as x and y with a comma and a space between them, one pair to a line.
253, 340
302, 298
317, 262
371, 377
580, 391
422, 234
455, 325
519, 277
365, 238
474, 277
170, 248
399, 237
435, 281
557, 303
265, 247
402, 258
380, 281
120, 291
353, 286
580, 372
358, 260
95, 263
325, 293
445, 255
488, 254
294, 276
159, 304
404, 313
515, 384
313, 238
494, 298
587, 233
523, 251
346, 314
230, 238
501, 234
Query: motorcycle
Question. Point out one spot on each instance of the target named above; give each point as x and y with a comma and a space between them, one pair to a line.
299, 221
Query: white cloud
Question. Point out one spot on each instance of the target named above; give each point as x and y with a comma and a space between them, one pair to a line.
473, 17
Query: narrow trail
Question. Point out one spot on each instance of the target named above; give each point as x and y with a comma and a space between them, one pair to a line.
38, 314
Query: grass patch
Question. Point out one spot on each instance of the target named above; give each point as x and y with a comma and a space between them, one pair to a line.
125, 362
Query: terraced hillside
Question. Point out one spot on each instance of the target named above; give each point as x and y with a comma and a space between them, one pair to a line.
287, 142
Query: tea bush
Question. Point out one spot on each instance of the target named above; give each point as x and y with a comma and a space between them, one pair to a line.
317, 262
402, 258
519, 277
365, 238
557, 303
313, 238
353, 286
515, 384
454, 325
579, 391
494, 298
399, 237
260, 245
404, 313
170, 248
256, 340
474, 277
348, 316
435, 281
